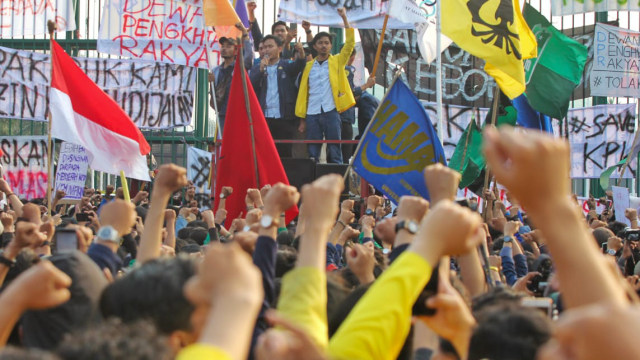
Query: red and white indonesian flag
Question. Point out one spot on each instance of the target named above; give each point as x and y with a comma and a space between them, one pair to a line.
85, 115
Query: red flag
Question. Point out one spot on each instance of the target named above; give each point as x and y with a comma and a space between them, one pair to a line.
236, 166
83, 114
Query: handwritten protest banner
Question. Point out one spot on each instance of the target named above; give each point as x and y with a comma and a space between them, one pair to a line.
568, 7
464, 80
198, 171
365, 14
25, 165
456, 119
29, 17
154, 95
71, 172
616, 69
600, 136
159, 30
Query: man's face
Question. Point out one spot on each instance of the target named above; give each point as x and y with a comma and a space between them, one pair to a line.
323, 46
271, 49
227, 50
280, 31
261, 50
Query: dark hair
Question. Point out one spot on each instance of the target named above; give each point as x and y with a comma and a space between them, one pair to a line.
153, 292
199, 235
191, 249
278, 23
271, 37
497, 296
507, 330
617, 227
197, 223
184, 233
321, 35
285, 260
114, 340
14, 353
285, 238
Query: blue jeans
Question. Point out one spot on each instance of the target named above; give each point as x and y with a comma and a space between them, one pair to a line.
327, 125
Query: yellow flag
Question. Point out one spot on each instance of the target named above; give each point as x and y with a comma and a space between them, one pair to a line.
219, 13
495, 31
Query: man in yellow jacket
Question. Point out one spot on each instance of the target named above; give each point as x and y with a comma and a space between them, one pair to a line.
325, 92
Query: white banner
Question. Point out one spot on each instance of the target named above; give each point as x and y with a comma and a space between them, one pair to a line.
20, 18
198, 168
600, 137
362, 14
154, 95
568, 7
158, 30
25, 165
456, 120
71, 172
616, 63
620, 203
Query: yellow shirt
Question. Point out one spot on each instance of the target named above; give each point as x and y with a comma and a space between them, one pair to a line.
202, 352
377, 326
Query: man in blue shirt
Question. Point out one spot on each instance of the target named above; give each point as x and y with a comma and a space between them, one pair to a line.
274, 83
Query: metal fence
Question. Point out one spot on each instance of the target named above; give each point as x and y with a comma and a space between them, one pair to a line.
171, 145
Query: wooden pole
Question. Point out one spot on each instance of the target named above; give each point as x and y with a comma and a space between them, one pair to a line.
380, 41
494, 116
245, 89
51, 26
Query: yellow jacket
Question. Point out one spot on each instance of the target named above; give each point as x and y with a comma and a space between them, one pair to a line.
342, 95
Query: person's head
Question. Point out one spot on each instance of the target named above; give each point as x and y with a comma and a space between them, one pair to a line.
115, 340
261, 49
227, 48
272, 46
154, 292
507, 330
45, 329
280, 29
199, 235
322, 43
602, 235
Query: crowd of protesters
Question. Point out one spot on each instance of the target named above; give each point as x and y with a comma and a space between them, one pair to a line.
157, 278
160, 277
305, 92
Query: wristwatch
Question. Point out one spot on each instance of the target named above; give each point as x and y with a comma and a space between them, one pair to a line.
409, 225
507, 239
267, 221
611, 252
221, 195
108, 233
7, 262
369, 212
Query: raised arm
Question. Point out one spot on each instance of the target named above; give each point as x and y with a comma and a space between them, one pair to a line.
535, 169
169, 179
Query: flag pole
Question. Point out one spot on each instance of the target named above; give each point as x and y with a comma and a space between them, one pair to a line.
439, 73
494, 116
51, 26
248, 108
396, 75
466, 141
379, 50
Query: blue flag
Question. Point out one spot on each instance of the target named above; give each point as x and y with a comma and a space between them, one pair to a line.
529, 118
399, 144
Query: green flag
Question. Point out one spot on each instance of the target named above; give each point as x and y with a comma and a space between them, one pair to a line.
467, 158
552, 76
